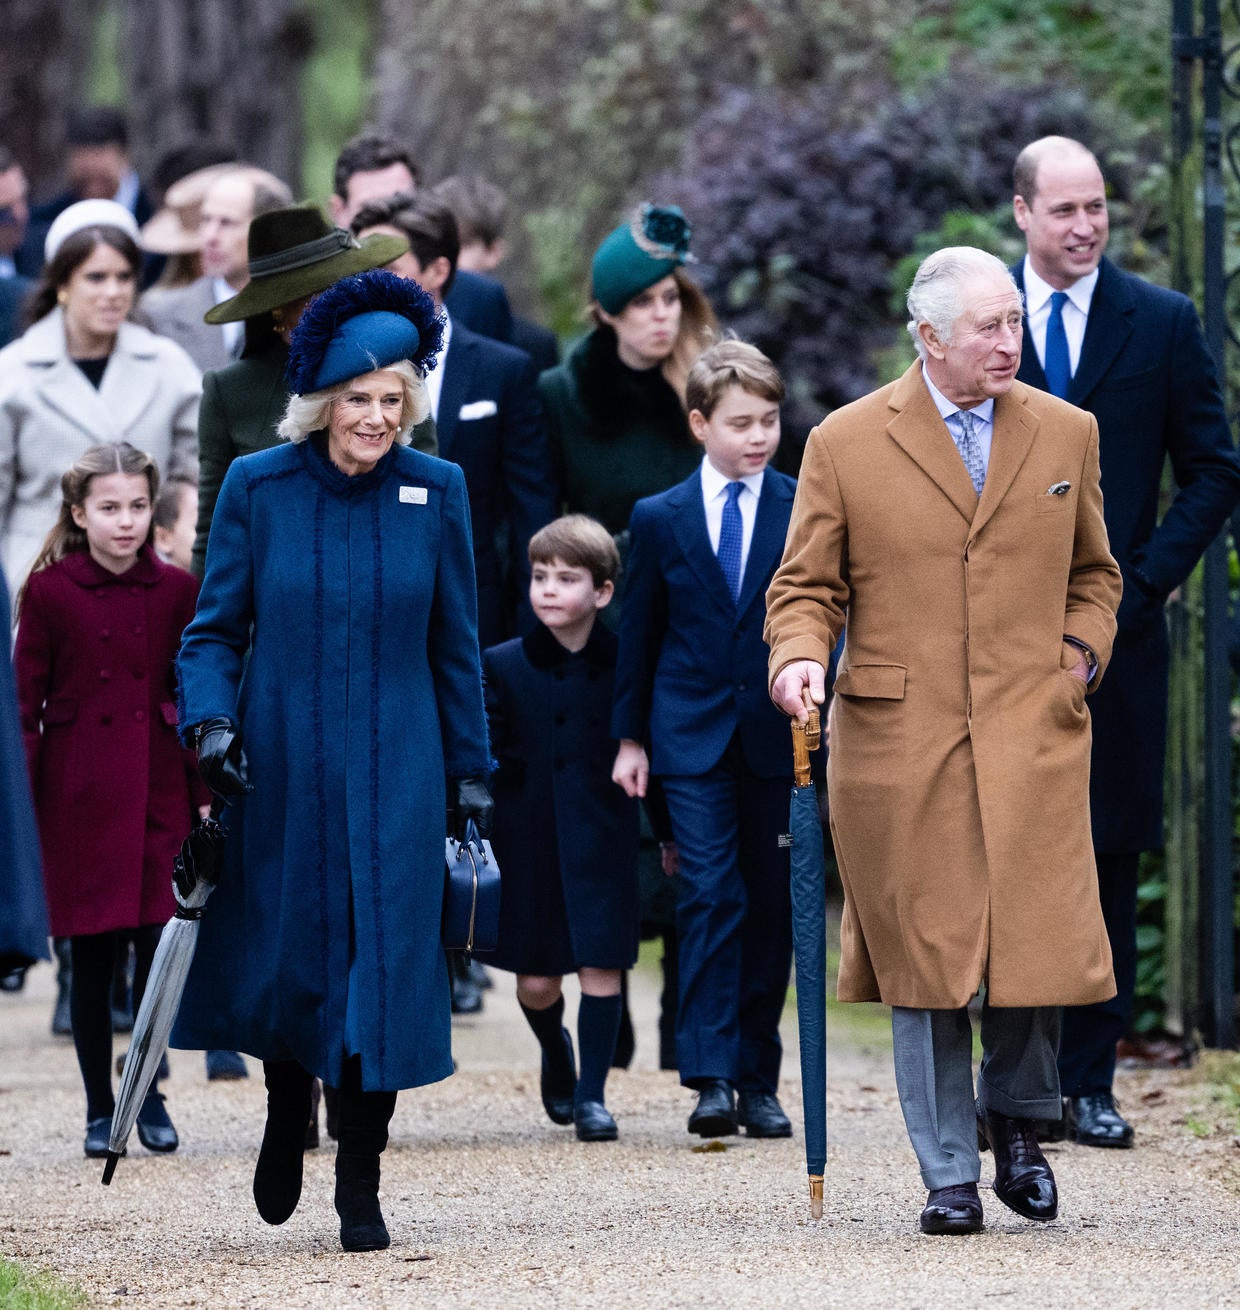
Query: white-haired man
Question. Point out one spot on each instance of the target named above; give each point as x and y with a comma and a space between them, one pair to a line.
954, 518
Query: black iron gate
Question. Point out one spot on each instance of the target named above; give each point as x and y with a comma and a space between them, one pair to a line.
1200, 933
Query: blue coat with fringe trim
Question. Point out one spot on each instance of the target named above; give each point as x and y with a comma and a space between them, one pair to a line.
362, 691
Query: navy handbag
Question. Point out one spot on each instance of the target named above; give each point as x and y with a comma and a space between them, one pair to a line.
470, 894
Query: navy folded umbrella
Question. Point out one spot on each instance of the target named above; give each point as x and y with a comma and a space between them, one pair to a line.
809, 945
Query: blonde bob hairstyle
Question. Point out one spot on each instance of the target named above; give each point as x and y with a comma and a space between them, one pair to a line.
313, 411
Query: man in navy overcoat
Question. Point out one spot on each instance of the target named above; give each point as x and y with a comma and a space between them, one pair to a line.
1134, 356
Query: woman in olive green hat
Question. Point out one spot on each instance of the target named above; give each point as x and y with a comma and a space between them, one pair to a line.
294, 253
616, 415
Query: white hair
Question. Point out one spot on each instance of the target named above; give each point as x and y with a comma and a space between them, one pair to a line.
312, 412
936, 296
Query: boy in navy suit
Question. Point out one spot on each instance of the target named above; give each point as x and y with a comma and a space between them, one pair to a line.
690, 681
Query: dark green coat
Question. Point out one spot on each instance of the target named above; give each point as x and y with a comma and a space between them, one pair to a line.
242, 406
618, 434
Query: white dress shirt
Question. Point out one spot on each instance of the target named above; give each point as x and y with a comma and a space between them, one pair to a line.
983, 418
434, 379
715, 497
234, 333
1075, 312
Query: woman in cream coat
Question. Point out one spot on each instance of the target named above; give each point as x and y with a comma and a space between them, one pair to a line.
82, 374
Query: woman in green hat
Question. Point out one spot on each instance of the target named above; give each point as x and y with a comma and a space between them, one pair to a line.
615, 406
294, 254
616, 415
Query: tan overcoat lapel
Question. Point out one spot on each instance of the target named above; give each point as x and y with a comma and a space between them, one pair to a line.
918, 429
1014, 428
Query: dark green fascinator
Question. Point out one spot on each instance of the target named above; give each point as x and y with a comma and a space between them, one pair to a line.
638, 254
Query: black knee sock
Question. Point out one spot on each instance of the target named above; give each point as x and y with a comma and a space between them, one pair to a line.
547, 1025
90, 990
598, 1021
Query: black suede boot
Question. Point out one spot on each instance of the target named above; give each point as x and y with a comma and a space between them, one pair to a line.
277, 1176
364, 1119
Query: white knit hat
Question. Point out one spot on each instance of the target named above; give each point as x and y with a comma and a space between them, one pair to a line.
87, 213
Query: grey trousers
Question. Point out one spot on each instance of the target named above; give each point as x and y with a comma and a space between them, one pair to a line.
934, 1075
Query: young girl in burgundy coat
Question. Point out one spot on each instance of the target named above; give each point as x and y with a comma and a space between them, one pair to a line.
100, 621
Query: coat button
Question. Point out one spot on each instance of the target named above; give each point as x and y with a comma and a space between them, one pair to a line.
135, 591
105, 674
561, 719
105, 719
740, 686
140, 715
104, 634
137, 629
101, 593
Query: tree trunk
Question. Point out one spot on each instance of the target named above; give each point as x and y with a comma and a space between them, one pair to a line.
43, 54
224, 70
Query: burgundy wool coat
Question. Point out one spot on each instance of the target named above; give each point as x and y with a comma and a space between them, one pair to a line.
115, 792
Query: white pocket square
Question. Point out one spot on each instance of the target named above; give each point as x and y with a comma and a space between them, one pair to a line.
478, 409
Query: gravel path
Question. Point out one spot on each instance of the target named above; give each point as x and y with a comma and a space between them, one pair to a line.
486, 1200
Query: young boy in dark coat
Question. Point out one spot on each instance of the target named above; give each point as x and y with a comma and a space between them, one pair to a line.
565, 834
691, 683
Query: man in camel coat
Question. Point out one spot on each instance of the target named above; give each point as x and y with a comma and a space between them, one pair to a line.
959, 766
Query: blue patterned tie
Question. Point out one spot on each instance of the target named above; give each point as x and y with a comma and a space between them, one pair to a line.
1058, 366
731, 534
970, 450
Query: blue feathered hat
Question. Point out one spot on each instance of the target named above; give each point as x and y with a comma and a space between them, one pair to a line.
362, 323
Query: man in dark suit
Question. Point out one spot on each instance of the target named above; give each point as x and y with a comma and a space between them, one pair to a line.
14, 215
97, 167
488, 414
691, 684
1133, 355
481, 210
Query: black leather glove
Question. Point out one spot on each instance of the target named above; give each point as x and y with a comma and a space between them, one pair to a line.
221, 761
472, 801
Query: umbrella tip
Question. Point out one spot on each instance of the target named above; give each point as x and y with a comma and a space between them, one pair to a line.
110, 1168
815, 1196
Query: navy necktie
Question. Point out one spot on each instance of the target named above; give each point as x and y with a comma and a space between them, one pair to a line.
1058, 367
731, 535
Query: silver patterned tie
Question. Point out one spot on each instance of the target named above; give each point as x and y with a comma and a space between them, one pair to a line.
970, 450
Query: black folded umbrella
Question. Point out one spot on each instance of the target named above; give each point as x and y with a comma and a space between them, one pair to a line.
195, 872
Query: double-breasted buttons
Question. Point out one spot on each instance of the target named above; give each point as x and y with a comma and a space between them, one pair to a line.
140, 715
105, 675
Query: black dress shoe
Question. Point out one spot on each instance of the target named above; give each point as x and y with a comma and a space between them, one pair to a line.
1024, 1181
155, 1130
225, 1067
594, 1122
951, 1210
715, 1112
761, 1115
97, 1133
1052, 1130
14, 980
1095, 1121
558, 1082
466, 994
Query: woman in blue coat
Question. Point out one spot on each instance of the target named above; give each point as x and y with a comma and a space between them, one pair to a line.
331, 683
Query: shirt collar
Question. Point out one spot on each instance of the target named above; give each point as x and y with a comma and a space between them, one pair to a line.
715, 484
985, 411
1038, 292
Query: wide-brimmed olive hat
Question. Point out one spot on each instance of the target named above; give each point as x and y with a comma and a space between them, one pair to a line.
296, 252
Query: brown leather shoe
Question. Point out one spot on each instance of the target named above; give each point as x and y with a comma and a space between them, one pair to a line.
1024, 1182
952, 1210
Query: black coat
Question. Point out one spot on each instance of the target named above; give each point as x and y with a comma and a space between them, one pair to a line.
1146, 375
491, 423
565, 834
481, 303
